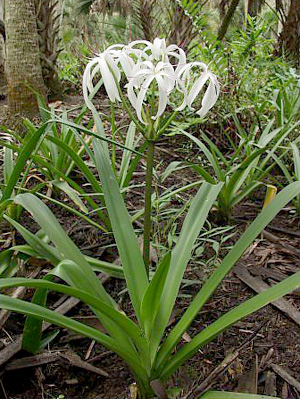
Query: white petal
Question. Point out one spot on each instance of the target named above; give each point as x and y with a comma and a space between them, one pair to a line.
141, 96
109, 82
210, 97
127, 64
113, 66
163, 96
196, 88
131, 94
87, 83
115, 46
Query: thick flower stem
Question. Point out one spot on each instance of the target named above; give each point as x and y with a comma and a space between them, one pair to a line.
147, 214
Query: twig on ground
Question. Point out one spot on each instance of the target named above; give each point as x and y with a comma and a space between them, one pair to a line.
206, 384
286, 376
277, 240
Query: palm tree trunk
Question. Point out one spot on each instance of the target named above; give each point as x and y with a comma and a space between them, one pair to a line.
48, 25
23, 66
254, 7
2, 46
146, 18
289, 38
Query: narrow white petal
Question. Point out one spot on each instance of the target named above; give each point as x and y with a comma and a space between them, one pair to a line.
115, 47
131, 94
113, 66
127, 64
210, 98
109, 82
196, 88
87, 83
163, 96
141, 96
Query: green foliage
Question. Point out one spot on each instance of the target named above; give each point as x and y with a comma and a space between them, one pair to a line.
69, 67
251, 74
261, 102
248, 165
140, 344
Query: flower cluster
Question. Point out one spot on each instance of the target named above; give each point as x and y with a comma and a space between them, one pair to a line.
146, 66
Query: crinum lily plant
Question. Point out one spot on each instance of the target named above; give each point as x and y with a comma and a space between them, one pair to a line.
152, 70
152, 349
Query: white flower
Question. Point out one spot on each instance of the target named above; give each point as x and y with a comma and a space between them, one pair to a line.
146, 65
191, 90
105, 64
142, 76
157, 51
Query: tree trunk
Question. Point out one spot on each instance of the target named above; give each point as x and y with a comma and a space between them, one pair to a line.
289, 37
254, 7
48, 25
2, 53
146, 18
222, 8
227, 19
23, 66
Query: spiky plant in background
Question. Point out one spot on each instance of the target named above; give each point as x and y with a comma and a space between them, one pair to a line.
182, 28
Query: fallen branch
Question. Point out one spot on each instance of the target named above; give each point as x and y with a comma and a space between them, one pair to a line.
277, 240
50, 357
258, 286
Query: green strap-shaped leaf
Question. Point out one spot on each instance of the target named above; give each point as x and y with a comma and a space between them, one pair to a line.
38, 246
250, 306
262, 220
48, 167
296, 158
152, 296
71, 193
126, 240
20, 162
69, 251
130, 143
241, 174
20, 306
63, 243
124, 322
209, 155
181, 255
79, 162
8, 263
100, 129
32, 331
